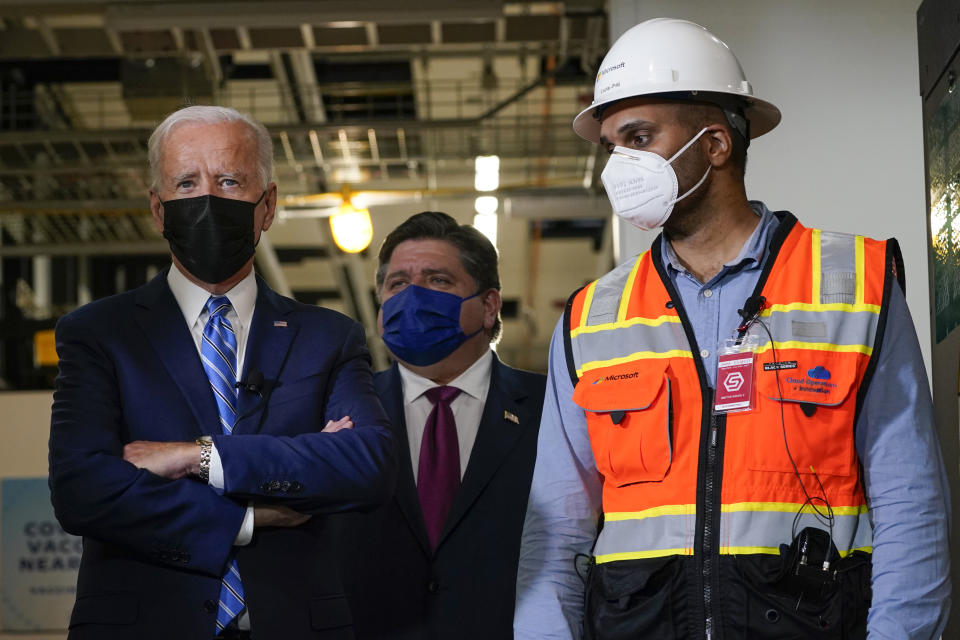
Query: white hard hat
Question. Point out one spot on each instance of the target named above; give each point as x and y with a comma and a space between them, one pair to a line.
665, 55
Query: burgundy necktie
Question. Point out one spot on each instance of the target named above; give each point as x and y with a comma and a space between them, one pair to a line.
438, 474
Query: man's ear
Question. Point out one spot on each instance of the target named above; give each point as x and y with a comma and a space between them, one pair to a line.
719, 145
270, 202
156, 208
491, 308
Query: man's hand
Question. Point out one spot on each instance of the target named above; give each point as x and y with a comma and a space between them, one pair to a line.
171, 460
272, 515
343, 423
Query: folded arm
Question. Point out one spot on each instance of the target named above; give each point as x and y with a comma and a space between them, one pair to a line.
320, 472
96, 493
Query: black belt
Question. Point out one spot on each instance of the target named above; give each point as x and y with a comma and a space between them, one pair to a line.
233, 634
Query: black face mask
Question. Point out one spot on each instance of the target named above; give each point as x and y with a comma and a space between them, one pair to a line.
212, 237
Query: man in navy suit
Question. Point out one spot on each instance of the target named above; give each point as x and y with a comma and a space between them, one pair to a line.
440, 560
187, 443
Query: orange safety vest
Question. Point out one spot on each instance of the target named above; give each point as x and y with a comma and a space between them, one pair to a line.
679, 480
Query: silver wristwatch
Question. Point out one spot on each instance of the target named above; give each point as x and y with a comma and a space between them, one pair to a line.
206, 446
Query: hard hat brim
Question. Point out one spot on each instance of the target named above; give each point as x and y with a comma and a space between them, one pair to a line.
763, 115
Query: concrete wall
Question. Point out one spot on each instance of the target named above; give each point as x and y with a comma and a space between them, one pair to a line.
848, 155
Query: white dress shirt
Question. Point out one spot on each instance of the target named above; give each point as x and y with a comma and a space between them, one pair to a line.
474, 383
192, 300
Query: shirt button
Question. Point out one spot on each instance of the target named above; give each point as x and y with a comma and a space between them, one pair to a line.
707, 293
704, 353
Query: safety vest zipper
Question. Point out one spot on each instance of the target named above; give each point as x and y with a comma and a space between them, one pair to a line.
712, 479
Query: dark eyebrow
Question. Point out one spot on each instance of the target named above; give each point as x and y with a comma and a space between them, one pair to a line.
396, 274
442, 272
403, 273
633, 125
627, 127
180, 177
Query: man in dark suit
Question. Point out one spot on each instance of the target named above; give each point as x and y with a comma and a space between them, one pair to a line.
202, 500
440, 559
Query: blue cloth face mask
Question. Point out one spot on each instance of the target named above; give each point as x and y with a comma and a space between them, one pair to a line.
422, 326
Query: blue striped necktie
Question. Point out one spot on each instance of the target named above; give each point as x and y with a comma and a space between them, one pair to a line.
218, 351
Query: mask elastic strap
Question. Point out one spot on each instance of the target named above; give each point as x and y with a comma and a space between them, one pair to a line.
462, 300
694, 187
686, 146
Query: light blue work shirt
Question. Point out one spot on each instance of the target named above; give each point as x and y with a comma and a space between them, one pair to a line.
896, 441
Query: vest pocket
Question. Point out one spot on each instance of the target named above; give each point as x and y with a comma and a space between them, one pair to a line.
629, 418
814, 390
632, 599
765, 603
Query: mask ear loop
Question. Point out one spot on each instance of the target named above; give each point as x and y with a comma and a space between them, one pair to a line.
687, 146
694, 187
677, 155
462, 300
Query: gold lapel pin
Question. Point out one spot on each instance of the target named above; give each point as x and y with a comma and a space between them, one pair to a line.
511, 417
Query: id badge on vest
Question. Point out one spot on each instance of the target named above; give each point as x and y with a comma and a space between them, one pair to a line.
735, 375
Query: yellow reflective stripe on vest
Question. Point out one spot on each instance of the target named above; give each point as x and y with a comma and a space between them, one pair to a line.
640, 355
817, 270
627, 288
642, 555
816, 346
775, 551
806, 306
790, 507
604, 346
763, 525
840, 327
621, 324
665, 510
860, 262
587, 301
745, 528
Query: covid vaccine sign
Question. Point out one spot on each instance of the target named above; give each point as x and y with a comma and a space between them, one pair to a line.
38, 559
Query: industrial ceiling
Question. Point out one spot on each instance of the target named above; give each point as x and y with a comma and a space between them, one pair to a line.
375, 98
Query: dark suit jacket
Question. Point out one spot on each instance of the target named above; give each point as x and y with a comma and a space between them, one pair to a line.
398, 587
154, 549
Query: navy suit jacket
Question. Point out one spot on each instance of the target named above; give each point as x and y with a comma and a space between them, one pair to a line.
154, 549
396, 585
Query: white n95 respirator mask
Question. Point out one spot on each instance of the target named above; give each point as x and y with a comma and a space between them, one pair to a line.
642, 186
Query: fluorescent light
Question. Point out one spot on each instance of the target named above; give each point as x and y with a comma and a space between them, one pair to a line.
486, 223
487, 176
486, 204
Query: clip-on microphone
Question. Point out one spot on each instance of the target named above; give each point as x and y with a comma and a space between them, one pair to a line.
253, 383
752, 307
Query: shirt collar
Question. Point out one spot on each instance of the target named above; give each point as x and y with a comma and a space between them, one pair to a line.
192, 298
472, 381
753, 249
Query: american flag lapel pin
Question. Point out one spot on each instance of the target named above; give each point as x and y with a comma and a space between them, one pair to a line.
279, 323
512, 417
